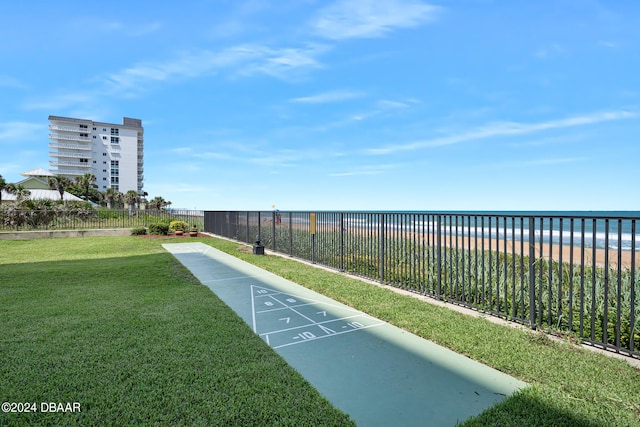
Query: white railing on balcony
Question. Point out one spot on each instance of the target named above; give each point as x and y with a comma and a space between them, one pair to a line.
68, 129
56, 136
69, 164
70, 146
70, 172
67, 154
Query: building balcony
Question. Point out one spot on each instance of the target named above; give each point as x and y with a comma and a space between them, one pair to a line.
58, 128
63, 146
61, 154
61, 137
69, 165
70, 172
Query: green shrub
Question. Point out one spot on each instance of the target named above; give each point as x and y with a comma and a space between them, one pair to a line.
158, 228
178, 225
138, 231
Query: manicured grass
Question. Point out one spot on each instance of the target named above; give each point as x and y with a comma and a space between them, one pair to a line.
570, 386
118, 325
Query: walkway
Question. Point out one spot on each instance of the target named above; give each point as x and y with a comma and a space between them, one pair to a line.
379, 374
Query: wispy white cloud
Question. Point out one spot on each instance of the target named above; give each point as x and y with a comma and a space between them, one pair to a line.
380, 108
346, 19
19, 131
365, 170
283, 158
549, 51
131, 30
242, 60
505, 129
386, 104
12, 82
326, 97
282, 63
59, 102
551, 161
552, 140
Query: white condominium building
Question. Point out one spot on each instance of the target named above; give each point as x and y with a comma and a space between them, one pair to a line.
111, 152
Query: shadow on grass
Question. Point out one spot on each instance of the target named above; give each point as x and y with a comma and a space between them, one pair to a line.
526, 408
133, 341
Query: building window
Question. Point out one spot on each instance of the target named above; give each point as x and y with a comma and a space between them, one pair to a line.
94, 128
104, 170
115, 131
104, 163
83, 127
104, 129
115, 187
84, 160
105, 155
115, 180
104, 179
104, 138
94, 137
86, 135
115, 140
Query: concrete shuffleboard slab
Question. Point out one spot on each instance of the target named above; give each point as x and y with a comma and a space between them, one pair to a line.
375, 372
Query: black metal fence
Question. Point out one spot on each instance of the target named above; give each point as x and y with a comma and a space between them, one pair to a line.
562, 273
12, 219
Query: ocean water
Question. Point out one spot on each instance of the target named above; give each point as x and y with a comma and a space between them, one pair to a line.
612, 229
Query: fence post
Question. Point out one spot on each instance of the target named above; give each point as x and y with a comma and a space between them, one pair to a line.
312, 231
341, 241
532, 273
439, 255
381, 239
273, 230
259, 224
290, 234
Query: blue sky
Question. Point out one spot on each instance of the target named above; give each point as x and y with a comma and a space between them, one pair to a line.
354, 104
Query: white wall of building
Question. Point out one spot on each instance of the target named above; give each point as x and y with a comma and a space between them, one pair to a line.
113, 153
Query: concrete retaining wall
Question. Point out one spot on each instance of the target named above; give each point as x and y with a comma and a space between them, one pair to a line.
53, 234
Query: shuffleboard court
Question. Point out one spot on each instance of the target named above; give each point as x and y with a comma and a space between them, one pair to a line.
379, 374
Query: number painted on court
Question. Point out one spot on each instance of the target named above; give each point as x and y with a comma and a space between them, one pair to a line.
306, 335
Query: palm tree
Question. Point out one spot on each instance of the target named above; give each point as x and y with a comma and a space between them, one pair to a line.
19, 191
60, 184
132, 198
3, 185
86, 181
112, 197
158, 203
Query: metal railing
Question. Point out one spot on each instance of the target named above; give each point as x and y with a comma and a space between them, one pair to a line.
77, 219
569, 274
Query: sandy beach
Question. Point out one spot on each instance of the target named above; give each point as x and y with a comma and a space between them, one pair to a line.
558, 252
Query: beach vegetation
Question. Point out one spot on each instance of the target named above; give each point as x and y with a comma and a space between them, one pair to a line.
583, 300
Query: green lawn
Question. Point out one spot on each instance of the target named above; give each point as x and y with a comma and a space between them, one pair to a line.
121, 327
570, 386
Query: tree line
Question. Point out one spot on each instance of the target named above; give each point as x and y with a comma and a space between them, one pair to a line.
86, 189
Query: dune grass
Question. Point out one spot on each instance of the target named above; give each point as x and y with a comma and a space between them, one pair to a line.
570, 386
119, 326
